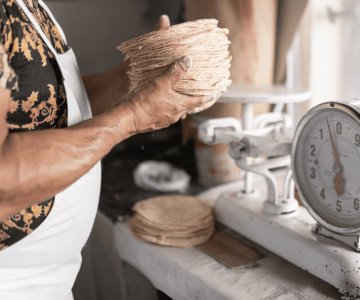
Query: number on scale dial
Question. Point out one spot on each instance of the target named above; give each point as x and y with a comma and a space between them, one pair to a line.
326, 165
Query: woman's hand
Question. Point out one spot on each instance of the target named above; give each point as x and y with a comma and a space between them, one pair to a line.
105, 93
174, 105
157, 105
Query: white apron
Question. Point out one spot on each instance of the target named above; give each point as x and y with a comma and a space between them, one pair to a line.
44, 264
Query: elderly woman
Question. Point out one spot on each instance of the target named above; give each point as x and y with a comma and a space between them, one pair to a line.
52, 138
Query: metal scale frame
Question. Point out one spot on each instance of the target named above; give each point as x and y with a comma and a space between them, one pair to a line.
263, 207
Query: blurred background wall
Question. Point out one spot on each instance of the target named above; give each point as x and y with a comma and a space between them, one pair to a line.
335, 47
95, 27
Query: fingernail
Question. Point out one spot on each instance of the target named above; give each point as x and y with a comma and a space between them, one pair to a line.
186, 63
164, 19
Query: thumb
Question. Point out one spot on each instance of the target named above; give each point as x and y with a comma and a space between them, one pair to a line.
178, 70
163, 23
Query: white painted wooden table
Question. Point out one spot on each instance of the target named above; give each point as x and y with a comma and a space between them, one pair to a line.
190, 274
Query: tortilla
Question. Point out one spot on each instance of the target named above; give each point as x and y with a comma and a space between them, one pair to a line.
173, 210
202, 223
207, 44
185, 242
168, 233
173, 220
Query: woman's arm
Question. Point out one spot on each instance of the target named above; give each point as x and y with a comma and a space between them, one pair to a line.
36, 165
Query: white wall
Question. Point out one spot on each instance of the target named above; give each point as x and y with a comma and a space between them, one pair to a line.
95, 27
335, 46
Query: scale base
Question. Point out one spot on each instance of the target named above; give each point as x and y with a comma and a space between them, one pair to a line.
352, 241
292, 238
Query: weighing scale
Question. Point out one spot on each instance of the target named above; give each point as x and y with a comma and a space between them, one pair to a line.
323, 157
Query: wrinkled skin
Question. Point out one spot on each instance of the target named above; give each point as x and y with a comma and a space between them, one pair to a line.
25, 176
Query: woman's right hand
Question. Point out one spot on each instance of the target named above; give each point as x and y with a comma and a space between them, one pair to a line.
157, 105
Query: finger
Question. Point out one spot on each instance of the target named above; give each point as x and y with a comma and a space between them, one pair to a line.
207, 103
193, 102
183, 117
177, 70
163, 23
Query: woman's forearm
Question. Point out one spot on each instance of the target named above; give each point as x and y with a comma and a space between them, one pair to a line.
107, 89
37, 165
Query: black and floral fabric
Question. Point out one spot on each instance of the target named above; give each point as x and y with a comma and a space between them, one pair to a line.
38, 99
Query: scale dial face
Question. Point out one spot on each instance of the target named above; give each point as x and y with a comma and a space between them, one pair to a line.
326, 165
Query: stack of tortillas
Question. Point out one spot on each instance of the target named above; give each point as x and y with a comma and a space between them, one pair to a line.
207, 44
178, 221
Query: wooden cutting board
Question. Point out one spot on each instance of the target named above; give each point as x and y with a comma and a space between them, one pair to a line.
230, 251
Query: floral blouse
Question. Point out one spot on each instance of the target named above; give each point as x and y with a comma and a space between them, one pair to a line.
38, 99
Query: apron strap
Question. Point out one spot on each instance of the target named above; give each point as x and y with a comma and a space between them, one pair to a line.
78, 104
50, 14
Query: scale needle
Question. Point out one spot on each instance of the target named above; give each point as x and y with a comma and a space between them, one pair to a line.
338, 179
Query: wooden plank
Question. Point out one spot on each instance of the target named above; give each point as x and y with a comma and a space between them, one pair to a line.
230, 251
